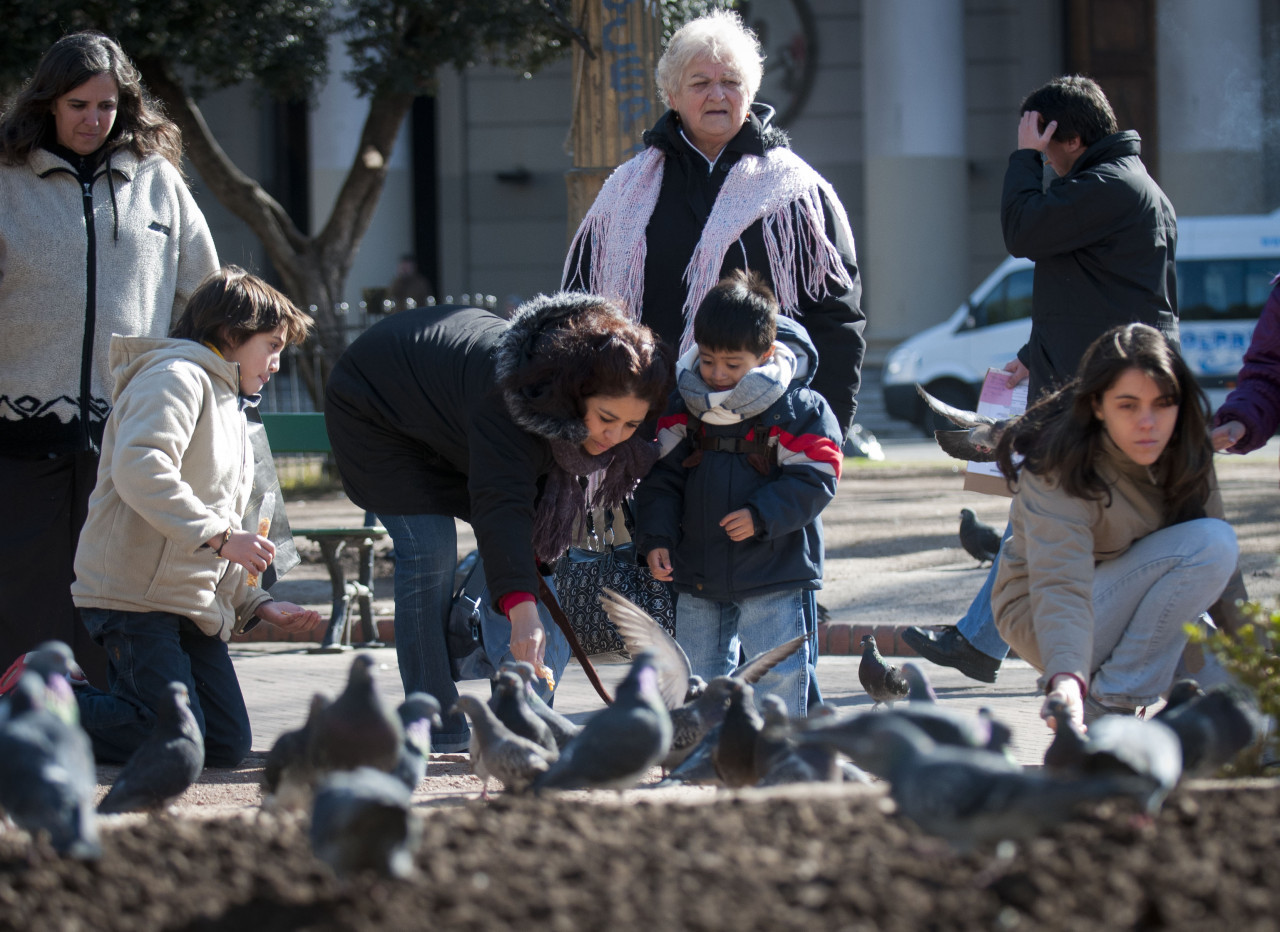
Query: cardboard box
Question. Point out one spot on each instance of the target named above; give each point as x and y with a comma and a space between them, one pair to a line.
999, 401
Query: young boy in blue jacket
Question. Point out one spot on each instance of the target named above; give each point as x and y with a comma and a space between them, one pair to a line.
750, 457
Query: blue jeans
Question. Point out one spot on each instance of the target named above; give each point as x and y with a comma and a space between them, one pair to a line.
1144, 599
146, 651
712, 632
979, 624
426, 548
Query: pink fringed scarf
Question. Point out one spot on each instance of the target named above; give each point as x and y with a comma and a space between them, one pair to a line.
778, 188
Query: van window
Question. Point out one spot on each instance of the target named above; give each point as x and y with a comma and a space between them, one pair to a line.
1224, 289
1009, 300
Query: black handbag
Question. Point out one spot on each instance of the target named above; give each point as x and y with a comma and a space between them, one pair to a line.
583, 571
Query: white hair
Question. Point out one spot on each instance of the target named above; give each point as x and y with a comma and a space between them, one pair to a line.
720, 36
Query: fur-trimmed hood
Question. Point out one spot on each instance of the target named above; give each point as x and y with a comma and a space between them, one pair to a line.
530, 325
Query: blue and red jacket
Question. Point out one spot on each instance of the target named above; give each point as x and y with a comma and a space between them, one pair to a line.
680, 506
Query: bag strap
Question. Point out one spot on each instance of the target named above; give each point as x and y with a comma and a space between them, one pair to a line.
557, 614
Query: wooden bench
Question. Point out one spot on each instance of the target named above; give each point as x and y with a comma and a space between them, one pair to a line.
304, 432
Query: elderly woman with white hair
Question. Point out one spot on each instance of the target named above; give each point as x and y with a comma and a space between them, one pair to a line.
717, 189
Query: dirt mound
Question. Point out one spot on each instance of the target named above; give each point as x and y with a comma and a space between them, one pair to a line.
802, 860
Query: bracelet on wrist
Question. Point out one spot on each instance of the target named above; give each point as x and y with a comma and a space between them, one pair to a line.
226, 536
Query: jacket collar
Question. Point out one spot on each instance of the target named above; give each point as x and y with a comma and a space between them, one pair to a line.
756, 137
122, 161
1108, 149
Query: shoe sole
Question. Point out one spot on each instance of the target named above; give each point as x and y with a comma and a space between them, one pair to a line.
929, 651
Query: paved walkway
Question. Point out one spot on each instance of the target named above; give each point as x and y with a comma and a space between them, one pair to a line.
279, 679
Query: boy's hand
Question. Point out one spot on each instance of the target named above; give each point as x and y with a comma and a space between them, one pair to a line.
288, 616
659, 560
739, 525
252, 551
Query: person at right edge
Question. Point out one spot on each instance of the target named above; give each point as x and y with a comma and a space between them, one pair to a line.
1103, 236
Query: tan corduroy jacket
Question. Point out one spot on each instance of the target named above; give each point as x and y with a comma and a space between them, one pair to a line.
176, 471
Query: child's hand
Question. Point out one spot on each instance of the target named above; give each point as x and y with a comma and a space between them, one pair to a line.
252, 551
739, 525
288, 616
659, 560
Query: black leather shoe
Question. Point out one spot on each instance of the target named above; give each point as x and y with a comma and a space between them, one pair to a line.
947, 647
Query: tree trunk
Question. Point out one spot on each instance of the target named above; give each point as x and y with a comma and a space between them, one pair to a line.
313, 269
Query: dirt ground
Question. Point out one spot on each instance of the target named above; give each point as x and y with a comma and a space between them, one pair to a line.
800, 858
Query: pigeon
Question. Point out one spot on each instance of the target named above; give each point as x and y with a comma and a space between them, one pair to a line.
1116, 744
47, 775
676, 680
510, 703
361, 821
883, 681
1180, 693
698, 768
943, 725
419, 713
357, 729
780, 761
620, 743
734, 755
288, 772
972, 796
562, 729
919, 689
497, 753
56, 665
1214, 728
980, 541
976, 443
165, 764
691, 722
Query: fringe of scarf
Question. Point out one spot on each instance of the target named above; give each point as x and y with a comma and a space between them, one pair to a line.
780, 189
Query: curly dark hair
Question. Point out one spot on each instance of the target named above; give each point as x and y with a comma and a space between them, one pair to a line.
140, 125
1061, 435
592, 350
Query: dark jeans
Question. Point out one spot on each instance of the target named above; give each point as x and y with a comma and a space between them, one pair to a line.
42, 509
147, 651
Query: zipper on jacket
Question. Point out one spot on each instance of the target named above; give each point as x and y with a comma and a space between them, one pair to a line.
90, 316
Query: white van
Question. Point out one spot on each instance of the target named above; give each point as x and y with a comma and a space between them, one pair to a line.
1225, 269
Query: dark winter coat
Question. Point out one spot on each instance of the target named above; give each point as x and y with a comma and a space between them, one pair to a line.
680, 508
1103, 239
418, 426
1255, 403
688, 192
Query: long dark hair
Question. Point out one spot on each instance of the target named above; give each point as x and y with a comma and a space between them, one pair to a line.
140, 125
1060, 434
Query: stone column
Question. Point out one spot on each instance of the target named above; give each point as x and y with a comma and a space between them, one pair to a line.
1209, 75
913, 247
614, 97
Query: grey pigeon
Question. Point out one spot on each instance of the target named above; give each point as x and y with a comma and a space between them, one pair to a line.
419, 713
1180, 693
976, 442
735, 754
883, 681
691, 722
1066, 752
620, 743
288, 772
358, 729
981, 541
497, 753
919, 689
54, 662
940, 723
361, 821
165, 764
510, 703
562, 729
698, 768
970, 796
1214, 728
779, 760
47, 776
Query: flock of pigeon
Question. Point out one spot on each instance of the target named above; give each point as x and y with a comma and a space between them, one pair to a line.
356, 761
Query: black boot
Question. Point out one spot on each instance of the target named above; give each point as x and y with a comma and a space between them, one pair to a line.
947, 647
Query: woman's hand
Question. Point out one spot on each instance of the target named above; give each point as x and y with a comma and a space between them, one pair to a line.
528, 640
287, 616
1068, 690
659, 560
1225, 436
1017, 372
252, 551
